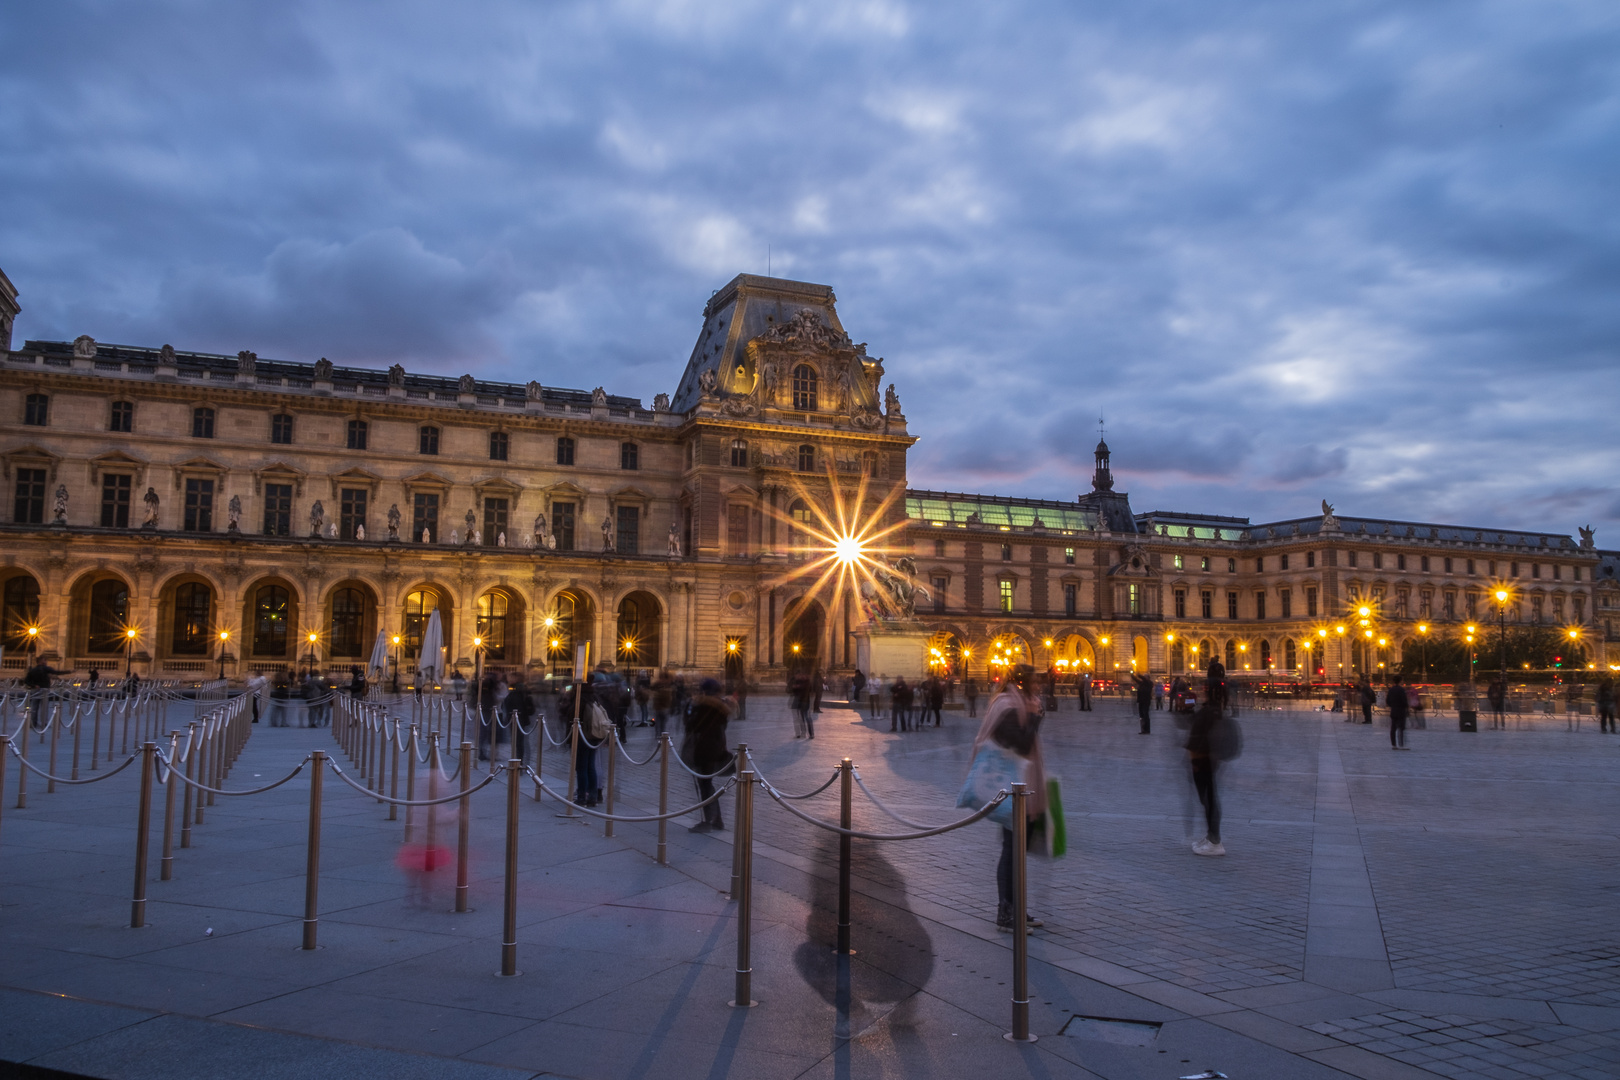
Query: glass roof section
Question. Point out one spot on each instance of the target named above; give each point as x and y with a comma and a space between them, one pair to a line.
946, 508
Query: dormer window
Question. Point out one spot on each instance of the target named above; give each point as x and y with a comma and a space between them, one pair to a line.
804, 388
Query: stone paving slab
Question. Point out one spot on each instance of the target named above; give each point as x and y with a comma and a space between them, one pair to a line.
1262, 964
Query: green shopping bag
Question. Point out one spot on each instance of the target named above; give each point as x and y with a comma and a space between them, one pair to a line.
1057, 837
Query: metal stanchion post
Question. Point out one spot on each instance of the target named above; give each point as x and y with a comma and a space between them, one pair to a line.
846, 775
312, 860
56, 726
573, 769
200, 752
143, 825
736, 815
191, 774
77, 728
539, 749
464, 816
1020, 914
612, 745
509, 926
166, 863
22, 770
95, 734
410, 783
744, 842
663, 799
5, 762
393, 783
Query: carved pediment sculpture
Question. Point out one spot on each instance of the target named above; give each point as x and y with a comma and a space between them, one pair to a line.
806, 327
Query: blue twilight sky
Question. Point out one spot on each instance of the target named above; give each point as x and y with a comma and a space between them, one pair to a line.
1356, 250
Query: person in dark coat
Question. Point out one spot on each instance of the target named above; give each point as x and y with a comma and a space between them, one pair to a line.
1605, 705
704, 748
1496, 694
1395, 697
1144, 701
1215, 685
901, 698
1369, 698
486, 714
936, 700
1202, 764
520, 709
37, 683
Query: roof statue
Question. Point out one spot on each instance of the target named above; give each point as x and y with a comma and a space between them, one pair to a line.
1588, 533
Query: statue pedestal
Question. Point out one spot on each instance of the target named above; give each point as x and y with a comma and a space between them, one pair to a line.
894, 648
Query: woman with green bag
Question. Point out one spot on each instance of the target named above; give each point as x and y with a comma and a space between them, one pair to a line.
1008, 749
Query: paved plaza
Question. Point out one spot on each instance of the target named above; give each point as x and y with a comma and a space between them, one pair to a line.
1446, 911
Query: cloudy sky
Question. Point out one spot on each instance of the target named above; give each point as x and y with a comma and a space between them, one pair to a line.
1356, 250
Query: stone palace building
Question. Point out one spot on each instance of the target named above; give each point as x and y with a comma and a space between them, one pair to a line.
184, 513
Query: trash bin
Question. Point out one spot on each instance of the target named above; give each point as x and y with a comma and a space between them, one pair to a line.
1467, 720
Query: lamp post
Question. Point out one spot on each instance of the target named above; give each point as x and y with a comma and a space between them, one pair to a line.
1340, 631
396, 662
33, 643
313, 638
224, 638
478, 677
1423, 629
129, 646
1473, 658
1501, 634
1104, 661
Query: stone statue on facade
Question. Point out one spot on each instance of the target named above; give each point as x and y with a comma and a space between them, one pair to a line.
233, 514
539, 531
674, 542
317, 518
467, 384
1588, 537
396, 375
891, 403
1328, 520
84, 347
393, 522
323, 368
500, 539
427, 535
599, 396
359, 532
331, 530
660, 403
246, 362
455, 536
151, 501
707, 382
472, 523
534, 391
60, 504
166, 355
607, 534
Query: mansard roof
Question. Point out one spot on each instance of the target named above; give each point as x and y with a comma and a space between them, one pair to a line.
1004, 513
1214, 526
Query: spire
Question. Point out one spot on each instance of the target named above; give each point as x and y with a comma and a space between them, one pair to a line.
1103, 478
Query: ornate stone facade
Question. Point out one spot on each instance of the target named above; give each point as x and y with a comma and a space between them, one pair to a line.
184, 495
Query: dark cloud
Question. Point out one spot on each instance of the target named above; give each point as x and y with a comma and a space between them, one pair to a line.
1280, 247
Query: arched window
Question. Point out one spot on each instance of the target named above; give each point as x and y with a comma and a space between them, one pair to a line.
1290, 657
1265, 654
109, 613
19, 611
193, 609
1231, 656
492, 610
418, 607
347, 636
804, 388
270, 614
807, 458
1206, 654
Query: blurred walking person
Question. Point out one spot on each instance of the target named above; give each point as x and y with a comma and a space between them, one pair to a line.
1144, 701
1368, 697
1605, 705
1201, 761
704, 749
1012, 721
1399, 705
1496, 694
970, 690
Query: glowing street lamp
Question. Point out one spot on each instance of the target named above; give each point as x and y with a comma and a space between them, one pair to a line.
224, 638
396, 662
1423, 628
313, 639
1502, 597
130, 635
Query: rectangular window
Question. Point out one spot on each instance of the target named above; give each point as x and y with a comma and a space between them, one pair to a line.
1400, 562
940, 584
1006, 553
1402, 600
629, 540
565, 451
357, 434
29, 507
425, 518
1006, 596
1204, 563
1558, 572
562, 521
1310, 601
1231, 604
494, 521
739, 454
1178, 562
1133, 599
1577, 574
1071, 600
1513, 569
737, 529
278, 509
1206, 603
115, 502
1352, 558
1259, 605
1068, 556
500, 446
1282, 561
281, 426
1231, 566
352, 512
202, 423
1259, 564
1424, 564
1470, 566
122, 417
1310, 560
427, 440
1378, 560
629, 456
1451, 605
199, 506
1535, 569
939, 549
1181, 603
36, 409
1285, 599
1425, 604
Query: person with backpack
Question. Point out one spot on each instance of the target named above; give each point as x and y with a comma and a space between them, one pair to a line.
1395, 697
1211, 739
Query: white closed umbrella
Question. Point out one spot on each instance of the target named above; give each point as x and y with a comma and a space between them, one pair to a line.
379, 656
429, 661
